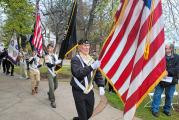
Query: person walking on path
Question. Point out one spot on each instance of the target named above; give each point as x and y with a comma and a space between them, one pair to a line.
23, 66
34, 64
9, 65
3, 56
51, 61
82, 68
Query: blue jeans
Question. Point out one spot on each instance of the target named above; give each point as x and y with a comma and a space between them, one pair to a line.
169, 91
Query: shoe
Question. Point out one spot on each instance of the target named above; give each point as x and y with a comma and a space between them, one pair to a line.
155, 114
36, 89
76, 118
12, 75
7, 73
167, 113
53, 104
33, 92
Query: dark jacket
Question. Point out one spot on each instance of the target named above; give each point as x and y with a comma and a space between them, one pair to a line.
80, 72
4, 54
172, 67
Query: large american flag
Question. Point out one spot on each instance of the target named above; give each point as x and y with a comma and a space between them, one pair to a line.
37, 37
133, 56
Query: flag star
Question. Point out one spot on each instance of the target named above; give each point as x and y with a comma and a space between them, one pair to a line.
148, 3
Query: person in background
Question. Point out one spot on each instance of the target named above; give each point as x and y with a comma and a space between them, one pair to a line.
26, 62
4, 55
23, 66
172, 67
9, 65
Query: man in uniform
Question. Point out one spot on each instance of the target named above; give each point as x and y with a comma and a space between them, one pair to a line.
51, 61
82, 68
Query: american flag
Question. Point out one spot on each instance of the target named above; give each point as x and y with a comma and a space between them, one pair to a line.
37, 37
133, 56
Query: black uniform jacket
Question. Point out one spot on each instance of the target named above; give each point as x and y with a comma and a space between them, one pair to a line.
172, 66
80, 72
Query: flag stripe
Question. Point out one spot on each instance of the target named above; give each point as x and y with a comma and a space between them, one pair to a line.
106, 45
143, 63
147, 83
121, 37
116, 32
156, 31
127, 50
119, 10
120, 83
129, 115
123, 59
140, 73
37, 38
36, 29
144, 30
154, 46
122, 78
40, 42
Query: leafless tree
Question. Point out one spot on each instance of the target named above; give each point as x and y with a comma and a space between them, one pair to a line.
171, 19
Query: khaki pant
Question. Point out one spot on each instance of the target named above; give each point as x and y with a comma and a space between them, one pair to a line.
35, 78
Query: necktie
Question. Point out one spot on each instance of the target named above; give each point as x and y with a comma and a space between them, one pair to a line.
53, 59
35, 61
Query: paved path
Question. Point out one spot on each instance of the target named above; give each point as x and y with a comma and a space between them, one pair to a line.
17, 103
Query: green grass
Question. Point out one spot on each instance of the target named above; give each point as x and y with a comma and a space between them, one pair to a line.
65, 70
143, 113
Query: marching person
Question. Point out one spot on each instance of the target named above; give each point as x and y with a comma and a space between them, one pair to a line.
82, 68
9, 65
51, 61
172, 67
4, 55
34, 64
22, 65
26, 62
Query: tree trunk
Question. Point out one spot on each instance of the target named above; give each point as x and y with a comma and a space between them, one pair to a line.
91, 18
81, 20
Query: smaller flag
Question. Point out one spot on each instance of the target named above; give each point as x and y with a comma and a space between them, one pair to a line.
70, 40
13, 49
37, 37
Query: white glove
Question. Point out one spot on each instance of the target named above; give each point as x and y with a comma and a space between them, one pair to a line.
96, 64
101, 91
58, 62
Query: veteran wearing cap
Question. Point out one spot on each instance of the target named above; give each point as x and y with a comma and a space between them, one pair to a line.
82, 68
